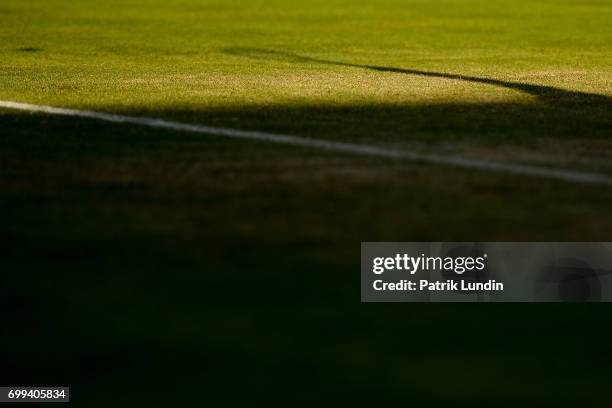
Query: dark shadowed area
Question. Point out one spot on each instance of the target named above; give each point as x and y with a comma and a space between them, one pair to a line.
171, 262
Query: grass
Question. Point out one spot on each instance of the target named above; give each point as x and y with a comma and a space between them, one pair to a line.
134, 258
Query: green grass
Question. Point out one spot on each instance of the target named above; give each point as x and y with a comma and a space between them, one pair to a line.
234, 64
134, 258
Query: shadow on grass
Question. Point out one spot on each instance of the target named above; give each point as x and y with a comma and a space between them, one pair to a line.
29, 49
547, 94
135, 260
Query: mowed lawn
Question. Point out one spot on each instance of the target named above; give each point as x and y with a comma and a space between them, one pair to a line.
148, 266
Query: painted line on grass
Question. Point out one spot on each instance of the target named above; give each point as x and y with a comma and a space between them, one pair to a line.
351, 148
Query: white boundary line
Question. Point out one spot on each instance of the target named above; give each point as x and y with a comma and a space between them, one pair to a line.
485, 165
